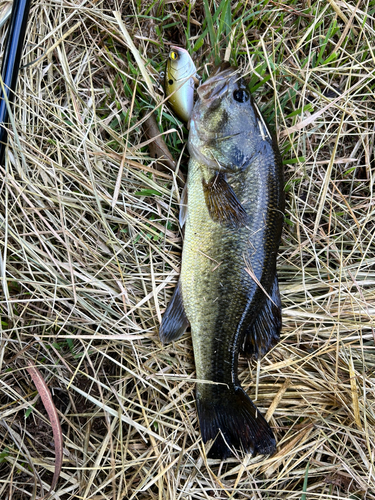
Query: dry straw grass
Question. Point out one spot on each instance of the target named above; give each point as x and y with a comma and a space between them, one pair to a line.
90, 256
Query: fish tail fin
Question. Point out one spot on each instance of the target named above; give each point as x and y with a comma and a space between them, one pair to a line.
230, 418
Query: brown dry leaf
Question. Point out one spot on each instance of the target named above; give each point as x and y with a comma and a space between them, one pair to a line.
46, 397
157, 146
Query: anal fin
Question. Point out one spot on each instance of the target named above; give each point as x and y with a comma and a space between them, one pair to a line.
222, 202
264, 332
174, 321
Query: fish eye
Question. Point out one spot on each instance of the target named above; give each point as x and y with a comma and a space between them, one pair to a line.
241, 95
174, 55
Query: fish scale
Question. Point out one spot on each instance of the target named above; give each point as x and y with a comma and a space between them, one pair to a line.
228, 289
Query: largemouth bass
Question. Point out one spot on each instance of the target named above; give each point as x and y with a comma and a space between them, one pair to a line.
180, 72
228, 290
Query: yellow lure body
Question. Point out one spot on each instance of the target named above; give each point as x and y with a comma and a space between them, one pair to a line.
179, 82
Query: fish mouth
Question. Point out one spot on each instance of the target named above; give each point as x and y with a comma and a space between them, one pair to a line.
217, 85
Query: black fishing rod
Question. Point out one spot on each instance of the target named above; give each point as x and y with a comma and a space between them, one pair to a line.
10, 66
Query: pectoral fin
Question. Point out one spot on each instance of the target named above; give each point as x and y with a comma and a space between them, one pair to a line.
174, 321
264, 332
222, 202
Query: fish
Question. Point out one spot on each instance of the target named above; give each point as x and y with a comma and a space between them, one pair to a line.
228, 289
179, 82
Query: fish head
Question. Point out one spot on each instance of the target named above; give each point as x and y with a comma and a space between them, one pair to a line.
224, 126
